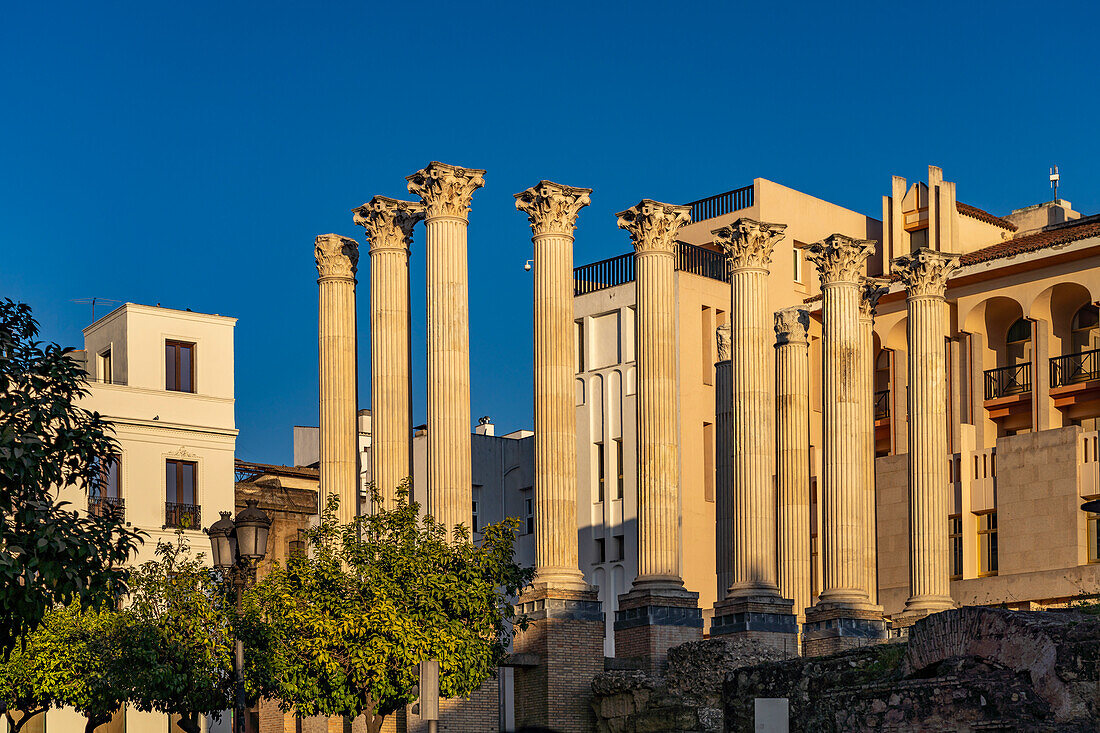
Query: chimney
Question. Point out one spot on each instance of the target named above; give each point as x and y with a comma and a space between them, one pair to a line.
485, 426
363, 420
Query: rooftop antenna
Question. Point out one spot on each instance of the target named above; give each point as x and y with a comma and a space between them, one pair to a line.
93, 301
1054, 181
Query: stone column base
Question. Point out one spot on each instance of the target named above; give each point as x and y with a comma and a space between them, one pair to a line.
766, 618
560, 652
832, 628
650, 622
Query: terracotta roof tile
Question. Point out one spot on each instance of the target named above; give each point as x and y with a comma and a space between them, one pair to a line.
981, 215
1081, 229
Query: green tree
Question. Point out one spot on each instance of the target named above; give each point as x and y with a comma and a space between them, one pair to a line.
338, 632
21, 689
50, 555
183, 665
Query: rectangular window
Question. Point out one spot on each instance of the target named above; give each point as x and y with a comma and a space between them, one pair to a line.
954, 533
529, 515
579, 341
987, 544
179, 366
180, 508
476, 526
708, 461
601, 552
619, 468
1093, 521
105, 367
797, 263
620, 547
601, 472
707, 345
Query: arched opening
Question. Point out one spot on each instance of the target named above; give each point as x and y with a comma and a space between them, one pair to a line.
1018, 343
1085, 328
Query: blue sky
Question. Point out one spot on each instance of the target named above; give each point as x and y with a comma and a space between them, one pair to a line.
188, 153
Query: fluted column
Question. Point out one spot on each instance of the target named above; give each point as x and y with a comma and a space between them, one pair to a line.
389, 225
748, 245
792, 394
446, 191
552, 211
337, 258
924, 274
870, 290
723, 449
653, 226
840, 262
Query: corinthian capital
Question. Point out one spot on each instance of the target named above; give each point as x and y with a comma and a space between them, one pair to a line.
552, 208
925, 272
445, 189
840, 259
723, 335
870, 290
336, 256
389, 222
653, 226
749, 243
792, 325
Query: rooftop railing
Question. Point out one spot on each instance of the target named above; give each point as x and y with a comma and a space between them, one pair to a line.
1006, 381
1083, 366
619, 270
723, 203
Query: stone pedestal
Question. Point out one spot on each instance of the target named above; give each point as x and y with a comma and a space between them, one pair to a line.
649, 623
446, 191
831, 628
766, 618
389, 225
565, 641
925, 274
336, 259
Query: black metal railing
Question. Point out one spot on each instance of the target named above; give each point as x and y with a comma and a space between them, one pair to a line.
603, 274
723, 203
882, 404
100, 506
182, 516
1009, 380
702, 261
1072, 368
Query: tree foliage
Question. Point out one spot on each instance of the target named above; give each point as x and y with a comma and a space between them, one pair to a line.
50, 555
338, 632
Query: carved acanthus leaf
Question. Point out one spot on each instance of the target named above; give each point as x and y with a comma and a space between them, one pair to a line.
792, 325
445, 189
653, 225
336, 256
840, 258
389, 222
552, 208
749, 243
870, 290
925, 272
723, 335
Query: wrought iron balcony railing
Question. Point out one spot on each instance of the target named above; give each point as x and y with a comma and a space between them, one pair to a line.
1006, 381
620, 270
99, 506
1072, 368
723, 203
182, 516
882, 404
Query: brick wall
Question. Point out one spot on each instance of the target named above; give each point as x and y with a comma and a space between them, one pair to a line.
557, 692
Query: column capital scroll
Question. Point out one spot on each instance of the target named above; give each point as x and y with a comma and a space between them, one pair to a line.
749, 243
389, 222
653, 225
336, 256
840, 258
792, 325
552, 208
446, 189
925, 272
722, 333
870, 290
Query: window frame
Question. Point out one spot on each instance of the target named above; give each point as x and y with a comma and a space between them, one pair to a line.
988, 550
955, 542
177, 345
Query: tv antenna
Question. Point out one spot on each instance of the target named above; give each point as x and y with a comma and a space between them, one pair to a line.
93, 301
1054, 181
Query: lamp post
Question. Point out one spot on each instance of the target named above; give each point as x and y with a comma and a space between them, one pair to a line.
236, 546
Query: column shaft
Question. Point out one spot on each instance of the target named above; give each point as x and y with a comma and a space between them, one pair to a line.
792, 392
867, 451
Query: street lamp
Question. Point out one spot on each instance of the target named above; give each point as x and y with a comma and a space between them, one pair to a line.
236, 546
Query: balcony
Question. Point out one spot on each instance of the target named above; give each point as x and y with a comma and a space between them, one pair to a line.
182, 516
619, 270
1007, 381
723, 203
1083, 366
101, 506
1075, 384
882, 404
